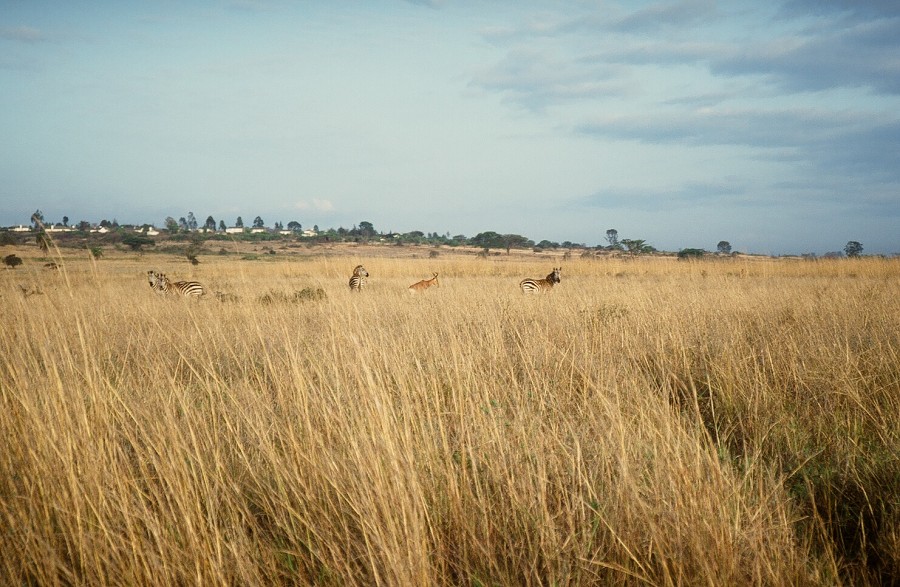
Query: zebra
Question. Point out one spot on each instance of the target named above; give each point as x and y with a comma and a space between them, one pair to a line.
424, 284
529, 285
358, 280
160, 283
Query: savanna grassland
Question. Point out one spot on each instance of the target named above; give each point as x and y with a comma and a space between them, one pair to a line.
650, 421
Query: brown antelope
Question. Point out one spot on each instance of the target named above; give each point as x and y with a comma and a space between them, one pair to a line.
529, 285
424, 284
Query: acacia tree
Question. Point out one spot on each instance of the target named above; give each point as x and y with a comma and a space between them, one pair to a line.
136, 241
853, 249
612, 237
724, 247
487, 240
515, 240
636, 246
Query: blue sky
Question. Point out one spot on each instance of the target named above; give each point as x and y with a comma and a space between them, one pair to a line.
772, 125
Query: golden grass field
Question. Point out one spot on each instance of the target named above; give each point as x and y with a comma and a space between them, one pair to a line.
649, 422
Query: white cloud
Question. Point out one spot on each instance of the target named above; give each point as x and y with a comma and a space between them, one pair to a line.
24, 34
317, 204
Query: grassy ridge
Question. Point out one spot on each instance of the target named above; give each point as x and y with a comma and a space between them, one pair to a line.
649, 422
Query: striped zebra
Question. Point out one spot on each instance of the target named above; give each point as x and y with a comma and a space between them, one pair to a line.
529, 285
358, 280
424, 284
161, 284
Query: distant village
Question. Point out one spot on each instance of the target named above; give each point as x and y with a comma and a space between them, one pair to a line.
188, 227
150, 230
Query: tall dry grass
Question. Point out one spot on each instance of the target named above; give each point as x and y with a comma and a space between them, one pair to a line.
649, 422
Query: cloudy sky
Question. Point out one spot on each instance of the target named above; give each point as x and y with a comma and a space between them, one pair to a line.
772, 125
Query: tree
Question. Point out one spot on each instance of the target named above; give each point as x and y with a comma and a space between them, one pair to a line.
83, 225
515, 240
191, 221
136, 241
724, 247
853, 249
278, 226
487, 240
366, 229
43, 240
612, 237
689, 253
171, 224
258, 222
222, 226
37, 219
65, 221
294, 226
636, 246
183, 224
239, 223
210, 224
12, 261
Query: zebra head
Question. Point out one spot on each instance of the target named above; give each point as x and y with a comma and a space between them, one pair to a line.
157, 280
554, 276
360, 271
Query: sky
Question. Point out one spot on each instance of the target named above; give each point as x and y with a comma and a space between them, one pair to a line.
774, 126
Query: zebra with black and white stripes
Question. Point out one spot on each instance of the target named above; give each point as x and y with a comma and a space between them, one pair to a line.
529, 285
161, 284
358, 280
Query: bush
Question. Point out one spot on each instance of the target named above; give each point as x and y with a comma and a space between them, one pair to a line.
691, 253
136, 241
12, 261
